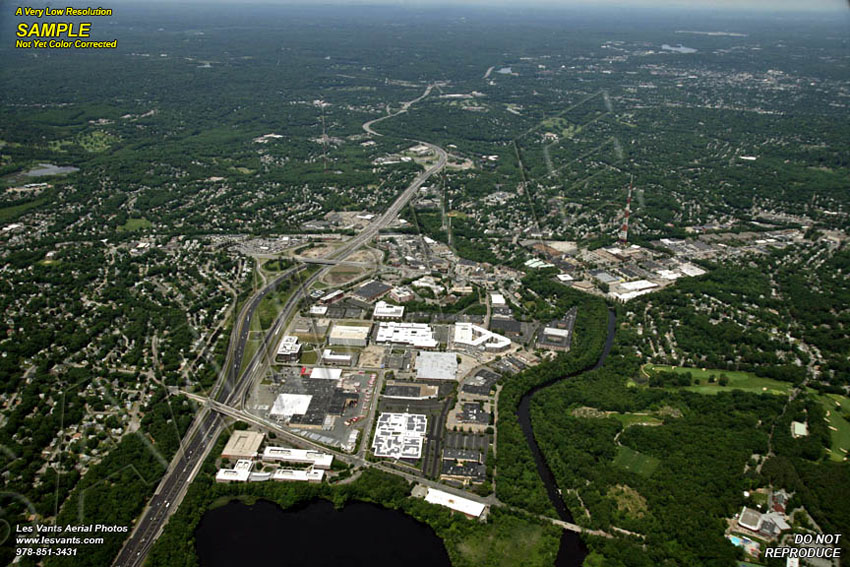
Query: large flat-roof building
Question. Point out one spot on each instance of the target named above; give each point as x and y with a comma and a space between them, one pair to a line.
241, 472
473, 336
288, 350
400, 435
287, 405
243, 445
319, 373
385, 311
348, 335
436, 366
419, 335
318, 459
337, 358
372, 290
460, 504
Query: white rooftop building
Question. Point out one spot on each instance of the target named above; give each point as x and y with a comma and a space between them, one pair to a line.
318, 459
400, 435
326, 373
319, 310
436, 366
298, 475
239, 473
348, 335
331, 357
288, 349
470, 335
384, 310
466, 506
497, 299
287, 405
419, 335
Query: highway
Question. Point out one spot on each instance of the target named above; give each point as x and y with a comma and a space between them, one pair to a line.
231, 387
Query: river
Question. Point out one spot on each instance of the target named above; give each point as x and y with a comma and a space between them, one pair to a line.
572, 551
315, 535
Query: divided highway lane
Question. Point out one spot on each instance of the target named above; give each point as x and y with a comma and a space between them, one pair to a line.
230, 387
201, 437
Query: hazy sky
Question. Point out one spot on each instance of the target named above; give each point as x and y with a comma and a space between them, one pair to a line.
718, 5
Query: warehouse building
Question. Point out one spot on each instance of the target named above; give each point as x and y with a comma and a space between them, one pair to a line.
468, 507
436, 366
326, 373
288, 405
372, 290
348, 335
242, 445
336, 358
419, 335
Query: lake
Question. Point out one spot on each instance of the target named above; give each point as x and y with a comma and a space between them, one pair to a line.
680, 49
50, 169
315, 535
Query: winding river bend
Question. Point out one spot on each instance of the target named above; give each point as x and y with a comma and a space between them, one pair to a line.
572, 550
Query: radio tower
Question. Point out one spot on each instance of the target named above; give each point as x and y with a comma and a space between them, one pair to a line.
624, 229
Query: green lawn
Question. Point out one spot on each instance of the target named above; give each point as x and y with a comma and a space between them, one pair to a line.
635, 462
507, 543
133, 225
838, 407
746, 381
8, 213
628, 419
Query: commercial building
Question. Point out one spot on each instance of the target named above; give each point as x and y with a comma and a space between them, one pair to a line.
385, 311
557, 335
464, 472
241, 472
298, 475
318, 459
332, 297
331, 357
326, 373
242, 445
465, 506
419, 335
319, 310
436, 366
497, 300
400, 435
287, 405
469, 335
410, 391
348, 335
372, 290
401, 294
288, 350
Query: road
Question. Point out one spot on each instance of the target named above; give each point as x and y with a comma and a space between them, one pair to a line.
232, 386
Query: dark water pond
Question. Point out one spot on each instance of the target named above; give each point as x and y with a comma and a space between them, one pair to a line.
315, 535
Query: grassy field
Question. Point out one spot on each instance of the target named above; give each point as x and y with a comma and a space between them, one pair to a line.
635, 462
746, 381
8, 213
837, 407
628, 419
508, 543
133, 225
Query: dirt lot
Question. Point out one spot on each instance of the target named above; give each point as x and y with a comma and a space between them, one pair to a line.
371, 357
341, 275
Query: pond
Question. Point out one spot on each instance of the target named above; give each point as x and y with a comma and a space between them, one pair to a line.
50, 169
315, 535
